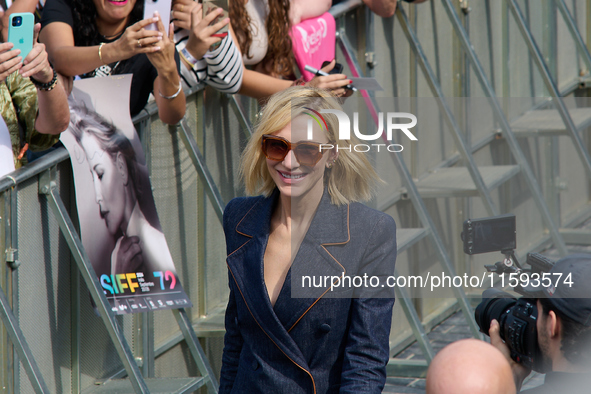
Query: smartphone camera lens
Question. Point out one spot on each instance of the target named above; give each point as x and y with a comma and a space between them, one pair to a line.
17, 21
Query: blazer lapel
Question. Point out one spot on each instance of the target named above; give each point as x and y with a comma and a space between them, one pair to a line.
246, 268
329, 227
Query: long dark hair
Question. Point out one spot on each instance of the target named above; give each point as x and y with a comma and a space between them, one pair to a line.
279, 58
85, 14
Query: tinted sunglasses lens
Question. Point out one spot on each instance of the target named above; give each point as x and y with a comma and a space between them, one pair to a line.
275, 149
308, 154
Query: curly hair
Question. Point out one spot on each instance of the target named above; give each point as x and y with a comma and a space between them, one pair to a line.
279, 57
85, 15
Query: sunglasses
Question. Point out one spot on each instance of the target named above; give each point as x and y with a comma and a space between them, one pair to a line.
276, 148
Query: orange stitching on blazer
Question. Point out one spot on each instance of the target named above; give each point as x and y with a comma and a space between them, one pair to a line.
238, 248
348, 233
314, 303
247, 307
246, 235
344, 270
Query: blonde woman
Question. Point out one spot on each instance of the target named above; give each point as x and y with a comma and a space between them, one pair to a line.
283, 333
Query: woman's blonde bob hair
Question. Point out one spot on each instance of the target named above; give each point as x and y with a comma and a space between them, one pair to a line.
351, 178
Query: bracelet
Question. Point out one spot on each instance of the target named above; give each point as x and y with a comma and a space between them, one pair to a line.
185, 54
174, 95
47, 85
100, 51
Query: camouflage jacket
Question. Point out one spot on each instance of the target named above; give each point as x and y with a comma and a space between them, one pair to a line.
18, 102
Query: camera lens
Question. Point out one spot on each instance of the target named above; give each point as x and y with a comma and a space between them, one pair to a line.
17, 21
493, 306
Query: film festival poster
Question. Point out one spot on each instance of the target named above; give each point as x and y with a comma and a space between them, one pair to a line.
119, 225
6, 156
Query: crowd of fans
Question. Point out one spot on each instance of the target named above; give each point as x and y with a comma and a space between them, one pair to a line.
95, 38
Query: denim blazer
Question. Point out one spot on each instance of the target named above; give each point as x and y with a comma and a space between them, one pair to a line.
306, 345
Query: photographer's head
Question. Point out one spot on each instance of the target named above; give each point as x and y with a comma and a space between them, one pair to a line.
564, 315
562, 331
469, 366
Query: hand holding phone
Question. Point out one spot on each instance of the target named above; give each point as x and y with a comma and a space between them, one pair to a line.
10, 61
20, 32
36, 63
337, 69
163, 8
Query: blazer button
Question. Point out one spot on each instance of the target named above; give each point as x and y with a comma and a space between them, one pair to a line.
255, 365
325, 328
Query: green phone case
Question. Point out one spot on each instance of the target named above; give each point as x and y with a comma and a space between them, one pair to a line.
22, 35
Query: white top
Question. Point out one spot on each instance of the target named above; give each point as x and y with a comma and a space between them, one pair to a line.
221, 68
257, 10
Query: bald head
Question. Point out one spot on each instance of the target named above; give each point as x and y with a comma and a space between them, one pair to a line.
470, 366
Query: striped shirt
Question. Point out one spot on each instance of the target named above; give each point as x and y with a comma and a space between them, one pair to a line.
221, 68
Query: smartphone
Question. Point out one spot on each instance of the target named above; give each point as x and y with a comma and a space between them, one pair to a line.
209, 6
20, 32
163, 7
337, 69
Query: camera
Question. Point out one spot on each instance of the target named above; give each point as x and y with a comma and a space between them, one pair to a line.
517, 317
517, 321
17, 21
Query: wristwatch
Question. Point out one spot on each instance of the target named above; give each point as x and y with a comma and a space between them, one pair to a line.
188, 57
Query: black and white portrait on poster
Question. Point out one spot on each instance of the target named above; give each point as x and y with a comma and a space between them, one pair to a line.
119, 225
6, 156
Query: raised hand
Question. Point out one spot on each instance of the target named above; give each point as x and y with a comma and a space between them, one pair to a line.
10, 61
137, 39
36, 63
163, 58
519, 371
334, 82
200, 32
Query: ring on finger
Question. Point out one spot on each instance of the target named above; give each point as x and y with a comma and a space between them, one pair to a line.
139, 43
182, 7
